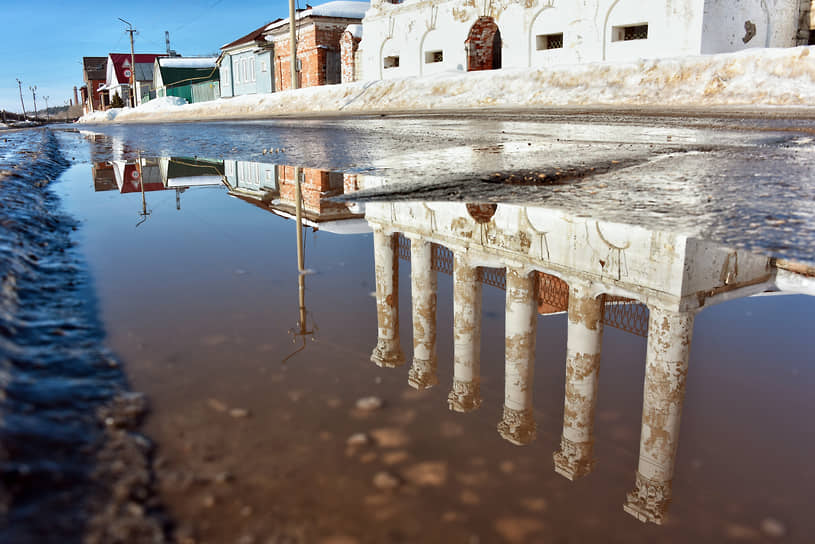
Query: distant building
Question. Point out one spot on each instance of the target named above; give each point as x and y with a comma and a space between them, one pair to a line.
195, 79
117, 77
93, 74
319, 30
414, 38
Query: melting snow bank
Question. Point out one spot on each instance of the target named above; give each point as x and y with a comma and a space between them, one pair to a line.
756, 77
74, 466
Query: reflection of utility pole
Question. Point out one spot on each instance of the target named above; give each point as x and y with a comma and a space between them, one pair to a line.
144, 212
34, 95
130, 30
20, 86
302, 329
178, 191
47, 113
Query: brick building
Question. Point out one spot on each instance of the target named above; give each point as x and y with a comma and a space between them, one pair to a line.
94, 71
318, 31
349, 52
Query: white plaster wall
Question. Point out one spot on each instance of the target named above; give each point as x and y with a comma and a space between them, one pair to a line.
675, 28
724, 24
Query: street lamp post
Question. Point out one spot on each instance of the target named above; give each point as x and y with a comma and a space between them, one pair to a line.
20, 86
33, 90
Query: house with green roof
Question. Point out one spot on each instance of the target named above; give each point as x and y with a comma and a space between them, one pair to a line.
195, 79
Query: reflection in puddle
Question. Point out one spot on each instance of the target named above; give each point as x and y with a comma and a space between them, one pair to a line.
548, 262
606, 266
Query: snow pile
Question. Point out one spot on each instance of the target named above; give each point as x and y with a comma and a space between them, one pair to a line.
756, 77
187, 62
164, 103
355, 30
100, 116
342, 8
351, 10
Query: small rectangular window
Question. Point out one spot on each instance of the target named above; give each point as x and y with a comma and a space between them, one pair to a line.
252, 69
549, 41
263, 66
433, 56
391, 62
629, 33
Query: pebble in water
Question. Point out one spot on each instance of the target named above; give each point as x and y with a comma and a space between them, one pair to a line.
369, 404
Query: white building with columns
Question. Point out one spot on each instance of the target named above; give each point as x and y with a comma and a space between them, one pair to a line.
423, 37
674, 275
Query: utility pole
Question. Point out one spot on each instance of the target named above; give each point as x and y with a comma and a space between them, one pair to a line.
130, 30
34, 95
20, 86
293, 44
47, 113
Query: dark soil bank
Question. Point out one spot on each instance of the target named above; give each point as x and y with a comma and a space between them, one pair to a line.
73, 467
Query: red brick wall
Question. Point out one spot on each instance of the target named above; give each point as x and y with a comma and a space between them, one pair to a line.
316, 189
348, 49
480, 44
313, 44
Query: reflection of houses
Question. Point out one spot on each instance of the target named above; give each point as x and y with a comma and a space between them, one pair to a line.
273, 187
417, 38
157, 174
675, 276
193, 78
104, 179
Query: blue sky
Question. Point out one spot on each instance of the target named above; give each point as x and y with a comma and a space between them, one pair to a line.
43, 42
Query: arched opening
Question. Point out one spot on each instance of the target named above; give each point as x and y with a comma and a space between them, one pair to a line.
483, 45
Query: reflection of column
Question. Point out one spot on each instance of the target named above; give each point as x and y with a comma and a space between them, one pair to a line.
388, 352
666, 367
466, 393
423, 294
518, 422
585, 336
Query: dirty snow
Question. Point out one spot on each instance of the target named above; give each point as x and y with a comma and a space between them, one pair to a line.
755, 78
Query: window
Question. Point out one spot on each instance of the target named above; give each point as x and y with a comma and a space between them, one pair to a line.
433, 56
629, 33
245, 75
251, 69
549, 41
237, 72
391, 62
263, 66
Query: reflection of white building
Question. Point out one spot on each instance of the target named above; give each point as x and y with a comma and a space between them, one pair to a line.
424, 37
674, 275
258, 177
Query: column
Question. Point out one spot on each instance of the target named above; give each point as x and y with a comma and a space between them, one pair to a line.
666, 367
465, 396
423, 294
388, 352
518, 422
583, 346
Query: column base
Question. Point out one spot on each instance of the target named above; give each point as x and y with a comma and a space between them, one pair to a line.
422, 374
574, 460
388, 354
464, 396
517, 426
649, 500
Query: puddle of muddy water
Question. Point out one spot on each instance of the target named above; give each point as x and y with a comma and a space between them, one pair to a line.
201, 301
